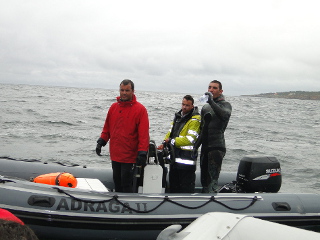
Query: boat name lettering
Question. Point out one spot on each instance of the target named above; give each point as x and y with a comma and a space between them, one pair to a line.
273, 170
112, 207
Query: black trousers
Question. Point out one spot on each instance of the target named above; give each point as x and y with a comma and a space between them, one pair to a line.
122, 176
181, 180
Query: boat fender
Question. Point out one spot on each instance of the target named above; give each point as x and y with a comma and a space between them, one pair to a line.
63, 179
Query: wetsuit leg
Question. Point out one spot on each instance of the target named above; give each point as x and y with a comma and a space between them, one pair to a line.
210, 162
215, 158
204, 170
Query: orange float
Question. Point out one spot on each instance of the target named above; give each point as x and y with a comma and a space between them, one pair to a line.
63, 179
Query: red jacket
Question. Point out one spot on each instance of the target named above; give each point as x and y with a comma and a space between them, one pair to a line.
127, 130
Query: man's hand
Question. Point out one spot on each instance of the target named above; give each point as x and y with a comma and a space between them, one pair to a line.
160, 147
98, 149
142, 158
210, 97
100, 144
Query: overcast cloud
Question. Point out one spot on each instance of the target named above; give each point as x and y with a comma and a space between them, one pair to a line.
251, 46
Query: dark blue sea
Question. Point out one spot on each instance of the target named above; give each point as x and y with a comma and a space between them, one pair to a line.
63, 124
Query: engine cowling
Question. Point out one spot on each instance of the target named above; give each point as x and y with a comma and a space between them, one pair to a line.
259, 174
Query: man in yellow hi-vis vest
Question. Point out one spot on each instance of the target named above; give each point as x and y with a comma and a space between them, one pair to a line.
182, 135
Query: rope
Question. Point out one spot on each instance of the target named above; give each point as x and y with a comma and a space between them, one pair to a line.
165, 199
5, 180
39, 161
79, 199
22, 160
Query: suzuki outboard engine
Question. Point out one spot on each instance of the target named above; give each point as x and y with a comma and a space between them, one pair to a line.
259, 174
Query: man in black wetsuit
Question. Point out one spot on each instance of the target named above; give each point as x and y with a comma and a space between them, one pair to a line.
215, 116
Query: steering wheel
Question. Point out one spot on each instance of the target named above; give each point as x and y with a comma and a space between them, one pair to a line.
168, 153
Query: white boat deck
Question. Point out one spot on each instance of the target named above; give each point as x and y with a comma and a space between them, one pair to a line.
92, 184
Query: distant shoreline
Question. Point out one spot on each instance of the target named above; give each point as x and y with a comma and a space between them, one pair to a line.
289, 95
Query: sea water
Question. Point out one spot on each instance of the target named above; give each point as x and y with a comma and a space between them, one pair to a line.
60, 124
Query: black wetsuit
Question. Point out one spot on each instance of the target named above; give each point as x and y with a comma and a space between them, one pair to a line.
214, 120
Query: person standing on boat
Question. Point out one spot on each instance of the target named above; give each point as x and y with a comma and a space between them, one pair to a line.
182, 135
127, 130
215, 115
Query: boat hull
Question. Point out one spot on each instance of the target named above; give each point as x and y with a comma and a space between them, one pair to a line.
49, 209
56, 212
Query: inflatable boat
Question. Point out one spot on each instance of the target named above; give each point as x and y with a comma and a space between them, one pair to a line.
92, 210
230, 226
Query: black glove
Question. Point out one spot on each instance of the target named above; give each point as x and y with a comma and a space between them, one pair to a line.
142, 158
98, 149
100, 143
210, 97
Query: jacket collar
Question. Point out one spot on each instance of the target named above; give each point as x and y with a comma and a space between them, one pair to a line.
134, 100
195, 111
220, 98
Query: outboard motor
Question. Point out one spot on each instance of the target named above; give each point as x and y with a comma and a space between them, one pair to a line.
259, 174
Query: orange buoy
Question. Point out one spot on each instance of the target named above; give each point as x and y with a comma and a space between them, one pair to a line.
63, 179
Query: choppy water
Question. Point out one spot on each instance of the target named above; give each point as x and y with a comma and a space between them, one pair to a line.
63, 124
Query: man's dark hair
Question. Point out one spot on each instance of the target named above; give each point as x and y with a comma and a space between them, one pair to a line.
126, 82
189, 98
216, 81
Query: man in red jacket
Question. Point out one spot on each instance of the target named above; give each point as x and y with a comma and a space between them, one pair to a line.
127, 130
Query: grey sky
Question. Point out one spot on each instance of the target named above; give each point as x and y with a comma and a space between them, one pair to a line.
251, 46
